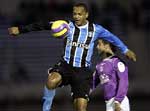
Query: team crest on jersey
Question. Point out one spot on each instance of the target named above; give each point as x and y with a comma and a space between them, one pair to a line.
121, 67
90, 34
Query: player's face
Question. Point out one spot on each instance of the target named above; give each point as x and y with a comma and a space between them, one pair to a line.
80, 16
102, 48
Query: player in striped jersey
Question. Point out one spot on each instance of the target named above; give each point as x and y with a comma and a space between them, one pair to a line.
112, 74
74, 67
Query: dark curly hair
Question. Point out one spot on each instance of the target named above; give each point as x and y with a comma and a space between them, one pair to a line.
113, 48
84, 5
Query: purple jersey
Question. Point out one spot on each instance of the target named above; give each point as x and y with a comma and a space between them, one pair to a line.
113, 76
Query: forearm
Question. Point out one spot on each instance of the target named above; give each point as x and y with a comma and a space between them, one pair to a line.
35, 27
122, 91
105, 34
116, 42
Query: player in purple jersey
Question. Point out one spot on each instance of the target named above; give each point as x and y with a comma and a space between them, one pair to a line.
112, 74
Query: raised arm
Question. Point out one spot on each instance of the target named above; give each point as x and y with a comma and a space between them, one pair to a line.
105, 34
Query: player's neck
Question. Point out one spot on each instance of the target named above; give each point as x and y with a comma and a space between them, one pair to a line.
83, 25
107, 55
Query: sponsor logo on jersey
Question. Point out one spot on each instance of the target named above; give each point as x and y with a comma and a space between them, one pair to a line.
77, 44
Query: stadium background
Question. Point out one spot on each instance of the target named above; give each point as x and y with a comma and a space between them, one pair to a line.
24, 60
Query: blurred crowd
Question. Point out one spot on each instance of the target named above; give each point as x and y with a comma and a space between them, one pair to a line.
113, 14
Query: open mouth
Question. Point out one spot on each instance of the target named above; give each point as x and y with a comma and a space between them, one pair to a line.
77, 21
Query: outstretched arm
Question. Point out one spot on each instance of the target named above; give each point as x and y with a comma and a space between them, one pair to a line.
28, 28
105, 34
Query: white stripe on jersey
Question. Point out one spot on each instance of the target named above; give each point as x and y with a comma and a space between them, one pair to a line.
67, 54
79, 49
88, 57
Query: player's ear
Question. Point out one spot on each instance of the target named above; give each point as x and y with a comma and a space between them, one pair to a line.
87, 15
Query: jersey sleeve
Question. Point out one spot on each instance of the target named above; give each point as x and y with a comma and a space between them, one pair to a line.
105, 34
122, 76
35, 27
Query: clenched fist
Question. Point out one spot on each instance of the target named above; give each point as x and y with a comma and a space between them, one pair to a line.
13, 30
117, 106
131, 55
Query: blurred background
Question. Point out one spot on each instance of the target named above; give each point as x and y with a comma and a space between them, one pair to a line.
24, 60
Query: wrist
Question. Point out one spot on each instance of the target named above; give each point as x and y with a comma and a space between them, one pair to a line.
126, 50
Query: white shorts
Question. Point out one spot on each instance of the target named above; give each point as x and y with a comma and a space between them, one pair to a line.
125, 106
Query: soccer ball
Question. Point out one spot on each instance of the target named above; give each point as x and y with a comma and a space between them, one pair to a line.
59, 28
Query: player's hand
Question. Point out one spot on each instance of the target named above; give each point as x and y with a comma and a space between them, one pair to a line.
117, 106
13, 30
131, 55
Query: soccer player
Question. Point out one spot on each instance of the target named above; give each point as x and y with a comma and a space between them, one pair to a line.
112, 74
74, 67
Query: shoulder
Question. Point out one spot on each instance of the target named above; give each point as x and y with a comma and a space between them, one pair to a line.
97, 25
70, 22
119, 64
99, 28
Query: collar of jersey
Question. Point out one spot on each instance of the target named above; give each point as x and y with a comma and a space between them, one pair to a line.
83, 26
108, 58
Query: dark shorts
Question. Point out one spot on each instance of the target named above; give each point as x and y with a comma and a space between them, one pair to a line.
78, 78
